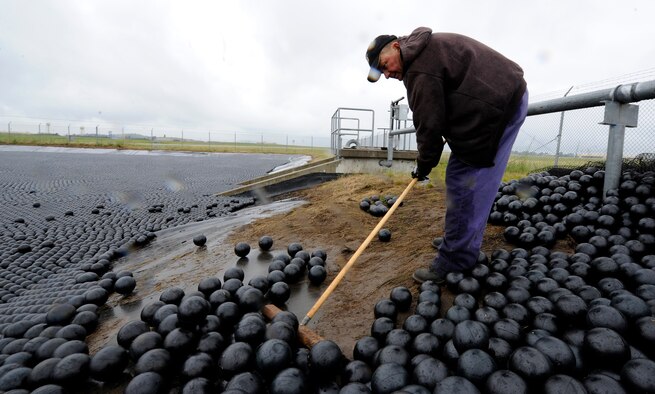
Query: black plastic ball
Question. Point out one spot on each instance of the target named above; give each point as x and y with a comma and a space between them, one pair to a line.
388, 378
209, 285
265, 243
455, 384
289, 381
402, 297
199, 240
273, 356
236, 358
155, 360
317, 274
429, 372
384, 235
129, 331
279, 293
505, 381
145, 383
365, 348
241, 249
193, 310
294, 248
199, 365
605, 348
475, 365
470, 334
172, 295
531, 364
325, 358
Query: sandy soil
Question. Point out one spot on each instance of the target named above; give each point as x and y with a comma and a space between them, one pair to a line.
325, 217
333, 221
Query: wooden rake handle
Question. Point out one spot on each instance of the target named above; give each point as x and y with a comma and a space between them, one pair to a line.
360, 250
305, 335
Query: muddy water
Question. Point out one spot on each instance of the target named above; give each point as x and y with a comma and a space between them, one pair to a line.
172, 260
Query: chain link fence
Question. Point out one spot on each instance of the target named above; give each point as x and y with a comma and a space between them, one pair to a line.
31, 131
577, 136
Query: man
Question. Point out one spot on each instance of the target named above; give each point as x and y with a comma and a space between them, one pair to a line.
463, 93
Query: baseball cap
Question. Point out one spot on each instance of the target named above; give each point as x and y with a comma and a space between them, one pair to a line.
373, 55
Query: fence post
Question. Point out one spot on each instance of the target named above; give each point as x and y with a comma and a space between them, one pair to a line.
559, 134
618, 116
152, 141
69, 133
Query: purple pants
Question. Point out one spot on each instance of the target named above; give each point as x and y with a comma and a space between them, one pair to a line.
470, 194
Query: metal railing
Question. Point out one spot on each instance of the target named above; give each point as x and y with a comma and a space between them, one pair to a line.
339, 128
618, 114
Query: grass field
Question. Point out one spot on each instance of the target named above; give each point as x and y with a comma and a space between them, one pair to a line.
145, 144
518, 166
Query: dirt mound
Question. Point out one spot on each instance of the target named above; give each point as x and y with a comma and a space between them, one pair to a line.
333, 221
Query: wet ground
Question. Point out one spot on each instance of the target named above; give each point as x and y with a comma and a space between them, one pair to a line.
63, 210
172, 260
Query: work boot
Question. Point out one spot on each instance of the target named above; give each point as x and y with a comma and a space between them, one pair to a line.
436, 243
424, 274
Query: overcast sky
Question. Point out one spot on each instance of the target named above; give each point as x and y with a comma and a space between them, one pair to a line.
280, 67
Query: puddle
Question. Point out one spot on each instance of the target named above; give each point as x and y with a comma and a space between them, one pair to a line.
172, 260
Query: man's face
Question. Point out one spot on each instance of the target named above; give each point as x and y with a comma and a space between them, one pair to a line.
391, 64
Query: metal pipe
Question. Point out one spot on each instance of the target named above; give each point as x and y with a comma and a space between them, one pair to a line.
390, 136
622, 93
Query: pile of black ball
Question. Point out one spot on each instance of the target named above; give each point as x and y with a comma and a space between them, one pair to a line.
540, 209
532, 319
49, 354
215, 339
62, 231
377, 205
286, 269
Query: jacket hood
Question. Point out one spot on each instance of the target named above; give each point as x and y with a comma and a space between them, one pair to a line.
412, 45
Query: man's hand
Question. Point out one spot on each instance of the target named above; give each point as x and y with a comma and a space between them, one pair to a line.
420, 174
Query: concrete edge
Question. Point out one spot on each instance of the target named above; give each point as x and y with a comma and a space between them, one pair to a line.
262, 182
288, 171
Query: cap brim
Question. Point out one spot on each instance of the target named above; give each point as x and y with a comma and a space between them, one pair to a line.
374, 75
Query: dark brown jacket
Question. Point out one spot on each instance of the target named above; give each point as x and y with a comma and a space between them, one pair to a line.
460, 90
